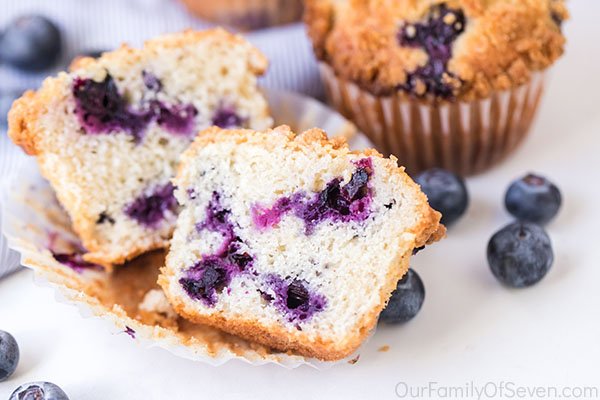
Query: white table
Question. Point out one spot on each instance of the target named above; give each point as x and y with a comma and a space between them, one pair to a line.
470, 328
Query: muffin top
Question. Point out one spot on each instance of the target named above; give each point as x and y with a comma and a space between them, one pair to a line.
436, 50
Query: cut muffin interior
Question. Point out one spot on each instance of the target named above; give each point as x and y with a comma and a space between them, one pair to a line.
292, 241
108, 134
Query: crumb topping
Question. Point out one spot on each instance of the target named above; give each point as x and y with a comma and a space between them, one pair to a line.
437, 50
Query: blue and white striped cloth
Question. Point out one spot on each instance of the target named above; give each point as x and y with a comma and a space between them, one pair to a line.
105, 24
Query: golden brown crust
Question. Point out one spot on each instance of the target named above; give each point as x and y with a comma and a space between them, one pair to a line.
427, 230
504, 41
21, 121
258, 62
108, 261
279, 339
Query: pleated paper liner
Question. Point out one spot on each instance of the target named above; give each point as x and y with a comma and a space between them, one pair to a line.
36, 226
247, 14
464, 137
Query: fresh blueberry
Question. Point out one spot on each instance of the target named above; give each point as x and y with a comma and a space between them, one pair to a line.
6, 100
520, 254
9, 355
406, 300
446, 192
39, 391
533, 198
31, 43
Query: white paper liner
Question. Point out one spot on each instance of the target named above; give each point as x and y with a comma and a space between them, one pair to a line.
464, 137
33, 222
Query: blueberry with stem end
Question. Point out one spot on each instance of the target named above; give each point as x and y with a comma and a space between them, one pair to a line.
446, 191
533, 198
38, 391
520, 254
31, 43
406, 300
9, 355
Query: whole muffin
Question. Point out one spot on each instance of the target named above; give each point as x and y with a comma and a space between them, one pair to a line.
247, 14
451, 84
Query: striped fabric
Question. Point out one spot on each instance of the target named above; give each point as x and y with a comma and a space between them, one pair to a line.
105, 24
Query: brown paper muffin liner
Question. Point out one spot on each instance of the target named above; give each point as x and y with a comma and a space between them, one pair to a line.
464, 137
247, 14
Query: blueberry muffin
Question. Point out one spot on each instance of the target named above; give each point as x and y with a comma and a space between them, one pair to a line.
247, 14
108, 134
452, 84
291, 241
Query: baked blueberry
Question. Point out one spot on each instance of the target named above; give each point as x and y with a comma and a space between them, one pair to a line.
226, 117
336, 202
39, 391
406, 300
76, 262
297, 295
293, 297
151, 81
206, 279
151, 209
520, 254
533, 198
446, 191
31, 43
177, 118
435, 36
129, 331
102, 108
9, 355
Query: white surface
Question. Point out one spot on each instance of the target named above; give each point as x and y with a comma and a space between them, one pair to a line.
470, 328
